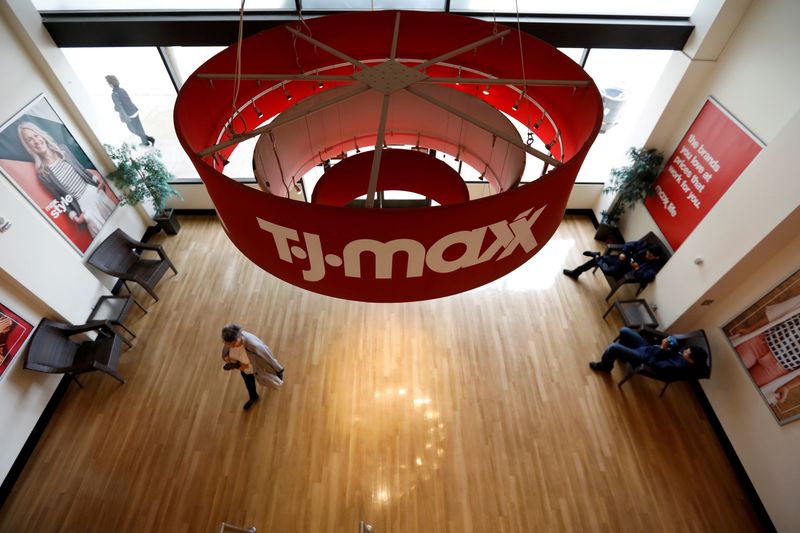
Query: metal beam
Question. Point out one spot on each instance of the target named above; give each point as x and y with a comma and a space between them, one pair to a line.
486, 127
278, 77
376, 155
510, 81
331, 50
465, 48
221, 28
353, 90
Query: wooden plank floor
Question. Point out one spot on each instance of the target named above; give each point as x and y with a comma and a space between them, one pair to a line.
473, 413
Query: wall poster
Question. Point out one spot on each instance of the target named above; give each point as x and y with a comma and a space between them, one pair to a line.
714, 152
42, 159
766, 336
13, 333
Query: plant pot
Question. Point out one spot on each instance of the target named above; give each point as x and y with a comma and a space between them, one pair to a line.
168, 221
608, 234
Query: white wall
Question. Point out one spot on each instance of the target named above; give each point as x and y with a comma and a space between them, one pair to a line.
749, 238
41, 275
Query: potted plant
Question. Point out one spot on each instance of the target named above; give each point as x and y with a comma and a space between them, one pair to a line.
141, 176
631, 183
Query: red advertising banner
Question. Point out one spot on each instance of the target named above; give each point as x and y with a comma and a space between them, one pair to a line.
709, 158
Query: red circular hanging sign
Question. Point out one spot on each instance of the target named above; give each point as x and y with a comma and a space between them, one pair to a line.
390, 255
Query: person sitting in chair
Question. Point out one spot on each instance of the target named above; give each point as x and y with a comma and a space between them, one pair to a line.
665, 358
637, 257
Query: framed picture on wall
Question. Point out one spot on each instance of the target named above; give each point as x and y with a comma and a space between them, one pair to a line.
766, 337
42, 159
13, 333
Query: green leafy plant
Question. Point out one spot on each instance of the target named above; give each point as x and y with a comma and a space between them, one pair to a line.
141, 175
632, 183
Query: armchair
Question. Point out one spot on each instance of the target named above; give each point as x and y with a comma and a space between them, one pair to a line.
52, 351
614, 249
693, 338
120, 256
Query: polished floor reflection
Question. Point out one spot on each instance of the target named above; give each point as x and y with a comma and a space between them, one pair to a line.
472, 413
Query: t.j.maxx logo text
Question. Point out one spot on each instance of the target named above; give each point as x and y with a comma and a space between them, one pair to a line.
507, 237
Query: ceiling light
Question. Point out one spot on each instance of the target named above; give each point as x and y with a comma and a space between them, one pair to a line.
538, 123
553, 142
259, 114
286, 93
486, 90
516, 104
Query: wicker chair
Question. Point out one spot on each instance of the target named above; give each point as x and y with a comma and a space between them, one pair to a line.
52, 351
693, 338
121, 256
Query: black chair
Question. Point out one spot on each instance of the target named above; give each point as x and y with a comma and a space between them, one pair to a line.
52, 351
695, 372
121, 256
615, 249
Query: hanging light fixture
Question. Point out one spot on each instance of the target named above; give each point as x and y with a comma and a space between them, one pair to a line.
220, 160
286, 93
486, 90
554, 141
259, 114
515, 107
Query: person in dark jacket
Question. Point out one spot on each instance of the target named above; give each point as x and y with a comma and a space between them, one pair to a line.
641, 260
666, 358
128, 112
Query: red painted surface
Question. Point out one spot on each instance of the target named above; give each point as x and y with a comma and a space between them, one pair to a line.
390, 255
400, 170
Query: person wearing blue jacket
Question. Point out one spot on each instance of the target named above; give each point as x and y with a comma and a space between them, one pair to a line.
637, 258
667, 357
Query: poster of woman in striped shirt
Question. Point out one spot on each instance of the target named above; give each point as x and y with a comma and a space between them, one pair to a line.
44, 161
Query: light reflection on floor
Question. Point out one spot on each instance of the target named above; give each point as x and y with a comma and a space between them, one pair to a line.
540, 272
401, 470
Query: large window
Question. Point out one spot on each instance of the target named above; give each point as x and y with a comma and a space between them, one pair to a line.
143, 75
677, 8
626, 79
156, 5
